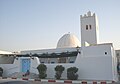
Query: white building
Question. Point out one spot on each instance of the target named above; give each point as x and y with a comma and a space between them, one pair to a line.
6, 59
94, 61
118, 60
118, 55
89, 29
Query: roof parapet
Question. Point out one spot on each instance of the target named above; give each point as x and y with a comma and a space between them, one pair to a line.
88, 14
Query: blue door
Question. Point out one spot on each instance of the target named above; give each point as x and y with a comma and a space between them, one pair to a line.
25, 65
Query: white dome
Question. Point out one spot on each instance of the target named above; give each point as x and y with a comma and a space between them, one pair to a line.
68, 40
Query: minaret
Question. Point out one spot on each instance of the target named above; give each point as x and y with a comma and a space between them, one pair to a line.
89, 29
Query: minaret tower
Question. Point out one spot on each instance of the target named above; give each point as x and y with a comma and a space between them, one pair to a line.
89, 29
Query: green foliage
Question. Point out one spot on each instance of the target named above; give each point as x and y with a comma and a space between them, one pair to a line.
44, 54
58, 75
59, 70
72, 73
53, 54
72, 69
63, 54
42, 75
42, 71
1, 71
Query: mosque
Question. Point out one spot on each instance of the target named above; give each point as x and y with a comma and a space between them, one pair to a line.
95, 61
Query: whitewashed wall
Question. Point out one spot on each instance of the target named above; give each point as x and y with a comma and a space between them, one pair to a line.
9, 69
92, 63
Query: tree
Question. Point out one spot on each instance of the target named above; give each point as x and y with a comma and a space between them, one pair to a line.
42, 71
1, 71
72, 73
59, 70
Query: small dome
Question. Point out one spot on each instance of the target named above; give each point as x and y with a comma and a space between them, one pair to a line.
68, 40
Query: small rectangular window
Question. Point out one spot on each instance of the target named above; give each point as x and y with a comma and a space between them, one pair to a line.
105, 53
42, 62
90, 26
52, 62
71, 61
86, 27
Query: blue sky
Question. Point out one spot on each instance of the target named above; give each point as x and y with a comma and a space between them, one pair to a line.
38, 24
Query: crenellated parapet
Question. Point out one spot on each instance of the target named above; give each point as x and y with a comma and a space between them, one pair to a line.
88, 14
